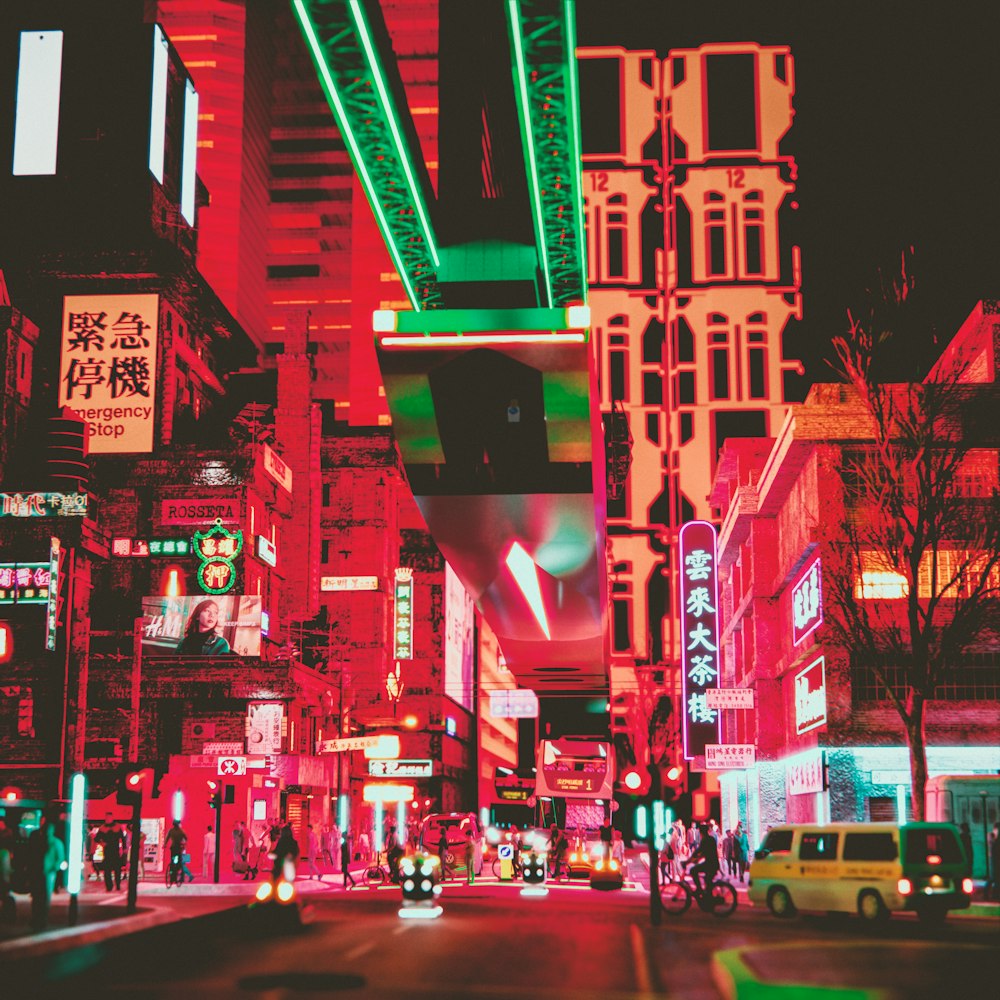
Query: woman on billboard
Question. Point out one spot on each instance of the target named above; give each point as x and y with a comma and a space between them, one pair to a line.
201, 635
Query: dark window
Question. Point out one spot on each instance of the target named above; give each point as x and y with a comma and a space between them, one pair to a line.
677, 70
617, 375
720, 374
753, 239
327, 548
869, 847
306, 145
717, 248
600, 88
758, 387
652, 388
616, 249
622, 642
738, 423
685, 394
293, 271
818, 847
308, 194
777, 840
685, 341
687, 427
653, 428
922, 843
731, 80
327, 494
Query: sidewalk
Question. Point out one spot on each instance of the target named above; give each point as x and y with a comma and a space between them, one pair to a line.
102, 915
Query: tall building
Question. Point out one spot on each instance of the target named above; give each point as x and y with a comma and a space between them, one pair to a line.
693, 280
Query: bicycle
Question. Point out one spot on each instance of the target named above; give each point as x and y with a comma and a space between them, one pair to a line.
376, 874
719, 898
175, 871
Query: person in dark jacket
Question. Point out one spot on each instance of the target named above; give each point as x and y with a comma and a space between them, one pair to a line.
46, 856
287, 850
110, 837
201, 636
708, 851
345, 858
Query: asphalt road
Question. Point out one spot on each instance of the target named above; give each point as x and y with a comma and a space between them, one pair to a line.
490, 942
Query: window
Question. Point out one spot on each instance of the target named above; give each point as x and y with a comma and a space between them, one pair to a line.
715, 235
869, 847
923, 843
731, 92
777, 842
615, 226
818, 846
720, 374
621, 626
758, 382
753, 234
36, 117
326, 549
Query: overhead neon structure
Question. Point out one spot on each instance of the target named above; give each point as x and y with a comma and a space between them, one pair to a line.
341, 44
525, 573
543, 53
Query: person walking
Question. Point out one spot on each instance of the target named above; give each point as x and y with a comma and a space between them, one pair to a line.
741, 850
443, 854
364, 846
208, 853
287, 850
727, 853
312, 846
110, 838
46, 856
335, 839
345, 858
607, 837
325, 845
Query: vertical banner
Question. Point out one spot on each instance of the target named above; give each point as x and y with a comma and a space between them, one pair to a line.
402, 625
52, 605
700, 653
107, 368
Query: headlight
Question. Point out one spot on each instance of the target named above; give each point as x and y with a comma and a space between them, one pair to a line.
285, 891
264, 891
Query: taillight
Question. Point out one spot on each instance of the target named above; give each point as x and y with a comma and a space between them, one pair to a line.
904, 887
933, 859
967, 886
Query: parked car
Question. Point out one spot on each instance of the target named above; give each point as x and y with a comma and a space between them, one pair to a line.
457, 824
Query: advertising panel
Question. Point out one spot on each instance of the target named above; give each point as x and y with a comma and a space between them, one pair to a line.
331, 583
25, 583
107, 368
264, 725
43, 504
730, 756
459, 648
578, 769
199, 510
201, 626
700, 653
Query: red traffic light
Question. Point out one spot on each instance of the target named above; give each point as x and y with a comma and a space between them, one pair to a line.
10, 794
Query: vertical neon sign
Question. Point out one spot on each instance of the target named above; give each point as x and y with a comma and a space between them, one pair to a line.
402, 631
700, 653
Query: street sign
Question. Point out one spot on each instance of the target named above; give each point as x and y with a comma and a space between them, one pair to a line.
515, 703
729, 756
350, 743
729, 697
233, 749
400, 768
232, 765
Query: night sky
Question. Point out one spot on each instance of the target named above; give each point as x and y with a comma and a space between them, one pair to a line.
896, 141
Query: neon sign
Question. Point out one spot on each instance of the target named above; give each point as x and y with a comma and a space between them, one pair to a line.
700, 653
43, 504
216, 549
402, 630
810, 697
807, 603
141, 547
52, 603
24, 583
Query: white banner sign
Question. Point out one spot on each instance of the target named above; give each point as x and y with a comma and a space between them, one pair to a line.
277, 469
329, 583
804, 774
400, 768
520, 703
729, 697
729, 756
351, 743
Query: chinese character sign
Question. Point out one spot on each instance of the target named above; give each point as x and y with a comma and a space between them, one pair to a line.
700, 653
216, 549
807, 603
25, 583
107, 368
402, 630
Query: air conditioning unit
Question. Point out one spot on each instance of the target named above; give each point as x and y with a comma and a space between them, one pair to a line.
199, 730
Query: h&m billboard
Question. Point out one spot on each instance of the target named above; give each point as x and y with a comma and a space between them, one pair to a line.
199, 625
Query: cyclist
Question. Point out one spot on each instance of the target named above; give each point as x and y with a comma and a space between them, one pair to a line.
175, 844
708, 850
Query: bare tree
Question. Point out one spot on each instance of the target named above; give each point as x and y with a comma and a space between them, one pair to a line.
913, 580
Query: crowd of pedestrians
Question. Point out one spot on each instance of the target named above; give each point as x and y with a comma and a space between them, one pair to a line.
732, 849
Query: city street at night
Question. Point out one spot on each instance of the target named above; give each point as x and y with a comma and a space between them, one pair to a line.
499, 499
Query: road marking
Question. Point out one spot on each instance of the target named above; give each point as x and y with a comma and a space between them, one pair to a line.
641, 962
362, 949
405, 926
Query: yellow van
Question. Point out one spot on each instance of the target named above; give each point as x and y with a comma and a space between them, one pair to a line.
873, 869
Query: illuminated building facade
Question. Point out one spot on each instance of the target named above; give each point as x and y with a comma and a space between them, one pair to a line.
829, 744
693, 281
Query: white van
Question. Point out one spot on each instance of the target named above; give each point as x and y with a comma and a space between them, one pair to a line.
456, 824
871, 869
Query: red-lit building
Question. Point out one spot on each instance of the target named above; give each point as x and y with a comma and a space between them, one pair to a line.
829, 745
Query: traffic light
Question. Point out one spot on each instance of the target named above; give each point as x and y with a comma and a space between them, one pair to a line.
636, 780
132, 782
533, 873
418, 877
214, 793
